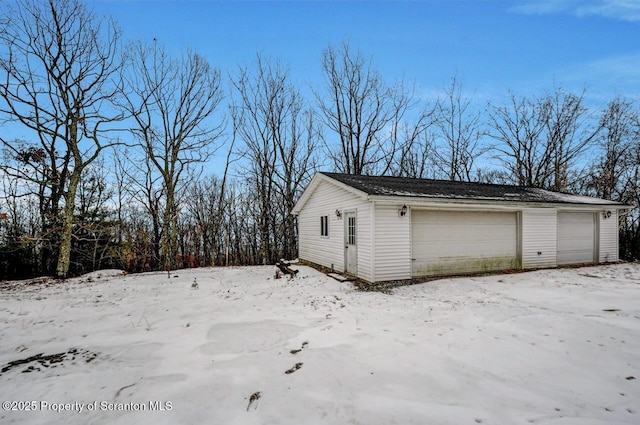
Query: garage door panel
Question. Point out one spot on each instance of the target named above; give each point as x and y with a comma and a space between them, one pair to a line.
576, 237
446, 242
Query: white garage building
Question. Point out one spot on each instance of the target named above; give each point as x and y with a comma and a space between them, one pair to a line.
391, 228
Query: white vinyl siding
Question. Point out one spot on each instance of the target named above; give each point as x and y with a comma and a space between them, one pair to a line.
364, 241
392, 243
539, 234
576, 237
327, 251
452, 242
608, 237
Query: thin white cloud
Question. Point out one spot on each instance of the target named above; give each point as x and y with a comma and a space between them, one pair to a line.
604, 78
625, 68
541, 7
624, 10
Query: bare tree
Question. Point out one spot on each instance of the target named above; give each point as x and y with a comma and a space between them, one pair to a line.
358, 106
460, 134
95, 241
630, 231
279, 136
19, 225
142, 188
613, 170
209, 207
258, 115
58, 64
40, 174
518, 128
205, 210
541, 140
569, 130
415, 156
173, 103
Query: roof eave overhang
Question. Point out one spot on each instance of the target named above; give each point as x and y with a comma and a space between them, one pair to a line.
427, 202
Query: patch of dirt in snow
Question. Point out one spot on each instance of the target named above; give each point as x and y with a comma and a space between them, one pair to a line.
29, 285
295, 367
253, 400
50, 360
38, 283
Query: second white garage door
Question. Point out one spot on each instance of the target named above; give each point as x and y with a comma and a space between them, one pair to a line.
576, 237
451, 242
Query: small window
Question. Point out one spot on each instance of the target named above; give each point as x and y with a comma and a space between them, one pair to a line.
351, 231
324, 225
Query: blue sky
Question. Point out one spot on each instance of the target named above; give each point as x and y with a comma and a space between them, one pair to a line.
491, 46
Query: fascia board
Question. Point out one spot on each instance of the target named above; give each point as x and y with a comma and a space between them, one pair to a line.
421, 202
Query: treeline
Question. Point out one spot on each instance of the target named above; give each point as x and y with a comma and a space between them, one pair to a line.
116, 169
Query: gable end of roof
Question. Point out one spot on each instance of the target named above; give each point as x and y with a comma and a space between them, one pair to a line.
315, 182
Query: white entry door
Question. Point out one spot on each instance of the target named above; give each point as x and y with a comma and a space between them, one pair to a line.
351, 243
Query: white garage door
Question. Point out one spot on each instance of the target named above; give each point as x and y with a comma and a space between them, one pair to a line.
576, 236
451, 242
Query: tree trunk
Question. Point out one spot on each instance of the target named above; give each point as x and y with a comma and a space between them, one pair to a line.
64, 259
169, 235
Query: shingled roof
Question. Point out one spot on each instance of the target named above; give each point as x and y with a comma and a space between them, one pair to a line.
445, 189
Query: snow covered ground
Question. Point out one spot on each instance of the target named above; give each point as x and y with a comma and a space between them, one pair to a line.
236, 346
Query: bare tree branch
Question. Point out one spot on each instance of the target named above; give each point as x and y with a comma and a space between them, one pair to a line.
58, 79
